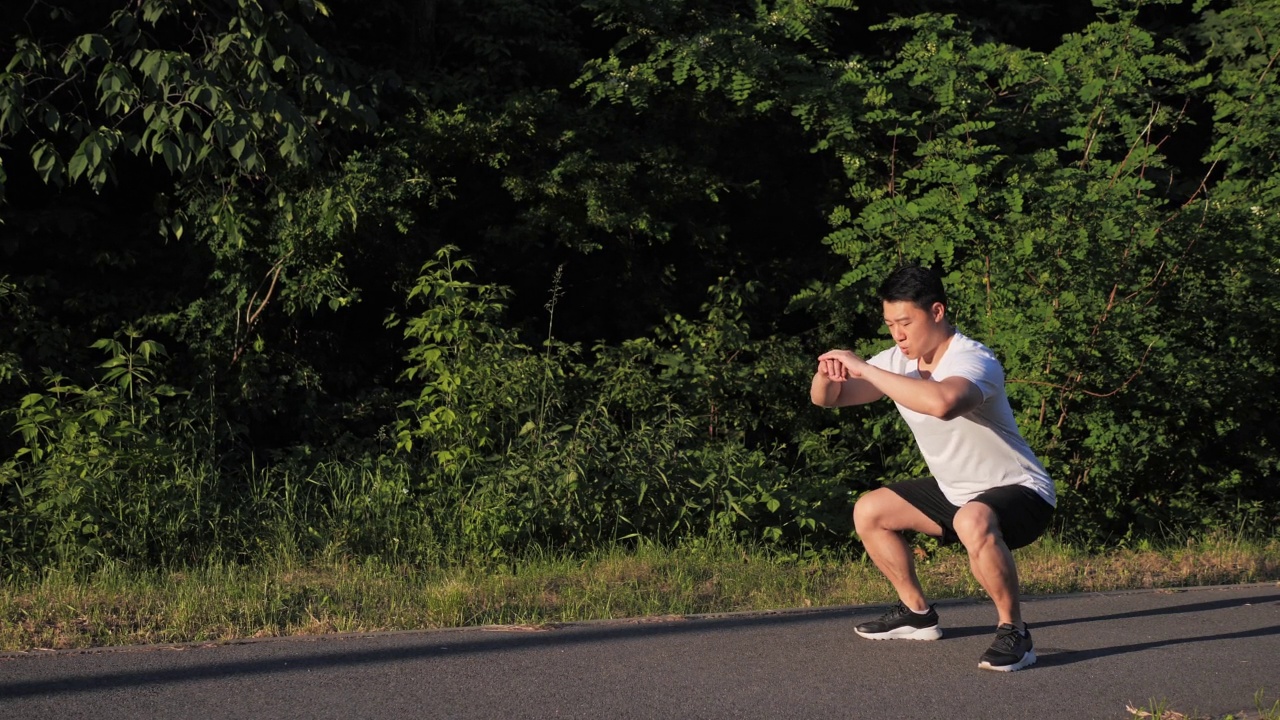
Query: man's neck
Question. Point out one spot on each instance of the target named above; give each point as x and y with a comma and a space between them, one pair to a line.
929, 360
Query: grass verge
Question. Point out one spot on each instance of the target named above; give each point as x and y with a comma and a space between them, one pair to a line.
1158, 710
282, 596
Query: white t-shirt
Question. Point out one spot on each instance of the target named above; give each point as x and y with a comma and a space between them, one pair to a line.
981, 449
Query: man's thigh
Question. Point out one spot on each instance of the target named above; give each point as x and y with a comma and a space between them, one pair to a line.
891, 509
1023, 515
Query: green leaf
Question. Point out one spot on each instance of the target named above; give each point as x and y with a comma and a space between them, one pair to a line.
153, 10
94, 45
47, 162
79, 163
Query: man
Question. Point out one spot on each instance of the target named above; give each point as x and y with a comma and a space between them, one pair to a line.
988, 490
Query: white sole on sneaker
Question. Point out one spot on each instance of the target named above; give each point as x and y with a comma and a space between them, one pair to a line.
904, 633
1027, 660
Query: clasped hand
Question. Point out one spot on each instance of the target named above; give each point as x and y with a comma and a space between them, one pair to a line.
840, 365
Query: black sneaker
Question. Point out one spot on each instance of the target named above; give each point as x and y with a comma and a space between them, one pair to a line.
1012, 650
902, 623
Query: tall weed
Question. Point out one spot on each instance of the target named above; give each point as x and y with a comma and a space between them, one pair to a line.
97, 475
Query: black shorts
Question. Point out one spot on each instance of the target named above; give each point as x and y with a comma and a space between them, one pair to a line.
1022, 513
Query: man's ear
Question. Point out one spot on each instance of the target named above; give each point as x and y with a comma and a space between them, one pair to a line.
937, 311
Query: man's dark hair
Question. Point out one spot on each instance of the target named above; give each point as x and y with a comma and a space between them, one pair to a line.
915, 284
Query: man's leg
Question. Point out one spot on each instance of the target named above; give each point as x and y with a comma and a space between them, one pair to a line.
978, 528
879, 517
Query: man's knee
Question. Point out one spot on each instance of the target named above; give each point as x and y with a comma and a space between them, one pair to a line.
869, 510
976, 524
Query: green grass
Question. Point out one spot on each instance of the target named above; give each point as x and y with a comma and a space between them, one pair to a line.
284, 596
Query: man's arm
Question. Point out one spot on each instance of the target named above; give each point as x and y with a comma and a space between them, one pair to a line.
827, 392
834, 386
946, 399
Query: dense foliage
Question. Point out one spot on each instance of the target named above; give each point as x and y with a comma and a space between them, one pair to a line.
454, 277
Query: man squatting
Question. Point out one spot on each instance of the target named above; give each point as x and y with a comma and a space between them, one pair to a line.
988, 490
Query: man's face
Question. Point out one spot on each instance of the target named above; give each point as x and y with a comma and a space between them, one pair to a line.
916, 331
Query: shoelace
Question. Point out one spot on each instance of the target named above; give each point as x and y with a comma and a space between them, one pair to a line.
895, 612
1007, 638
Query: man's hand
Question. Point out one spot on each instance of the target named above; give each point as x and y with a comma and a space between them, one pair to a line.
839, 381
840, 365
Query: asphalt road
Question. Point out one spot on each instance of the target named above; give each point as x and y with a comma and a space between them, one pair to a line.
1205, 651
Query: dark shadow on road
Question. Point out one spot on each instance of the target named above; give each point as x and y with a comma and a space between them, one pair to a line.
1067, 657
952, 633
955, 633
1171, 610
